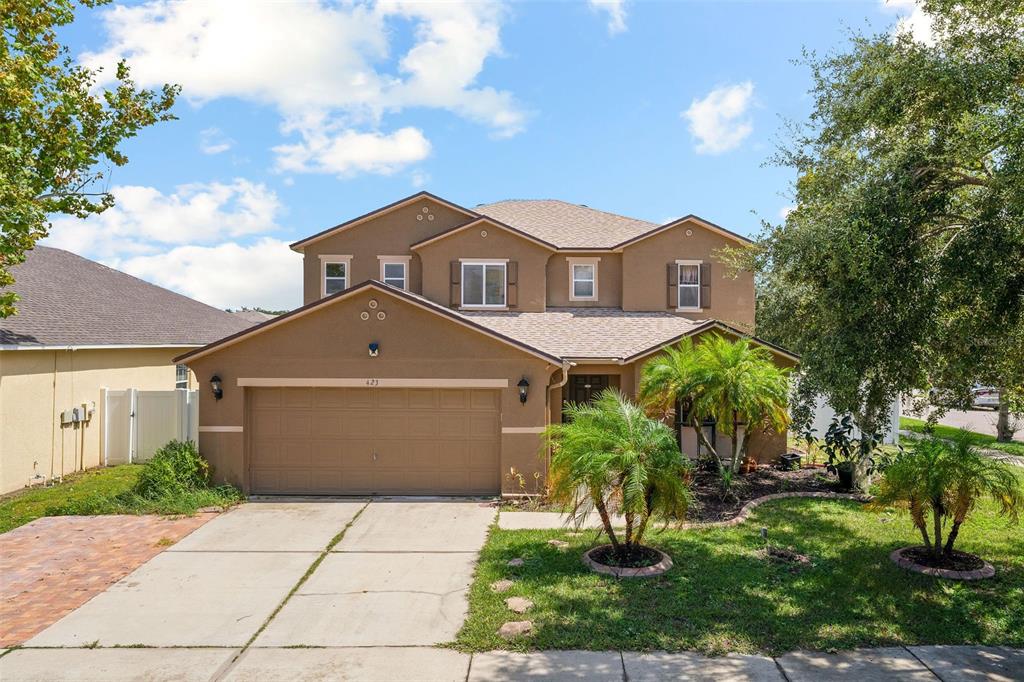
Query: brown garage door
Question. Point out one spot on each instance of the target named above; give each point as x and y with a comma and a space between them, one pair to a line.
362, 441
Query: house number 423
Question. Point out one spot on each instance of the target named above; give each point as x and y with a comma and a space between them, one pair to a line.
372, 382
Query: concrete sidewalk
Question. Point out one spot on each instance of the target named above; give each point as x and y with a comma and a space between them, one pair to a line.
925, 663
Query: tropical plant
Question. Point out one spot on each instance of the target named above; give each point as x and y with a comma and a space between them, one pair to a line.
945, 480
852, 459
732, 382
609, 455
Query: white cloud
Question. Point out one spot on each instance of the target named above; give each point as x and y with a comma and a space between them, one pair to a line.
616, 11
785, 211
207, 241
213, 141
720, 120
913, 20
325, 67
420, 179
144, 220
349, 152
264, 274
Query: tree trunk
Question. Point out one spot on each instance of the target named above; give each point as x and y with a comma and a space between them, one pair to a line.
924, 534
602, 511
1004, 434
951, 538
703, 440
629, 534
743, 447
937, 516
642, 528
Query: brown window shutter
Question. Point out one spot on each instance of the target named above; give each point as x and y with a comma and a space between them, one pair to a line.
705, 285
512, 293
455, 298
673, 286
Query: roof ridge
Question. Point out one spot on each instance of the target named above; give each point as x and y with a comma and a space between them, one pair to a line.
569, 203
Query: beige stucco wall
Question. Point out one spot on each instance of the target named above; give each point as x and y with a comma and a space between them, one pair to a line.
37, 385
609, 280
388, 234
644, 268
498, 243
332, 342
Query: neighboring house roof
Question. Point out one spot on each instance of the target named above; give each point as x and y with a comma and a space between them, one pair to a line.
252, 316
67, 300
568, 226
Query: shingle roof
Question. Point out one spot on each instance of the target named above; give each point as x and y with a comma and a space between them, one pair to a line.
567, 226
67, 300
253, 316
588, 332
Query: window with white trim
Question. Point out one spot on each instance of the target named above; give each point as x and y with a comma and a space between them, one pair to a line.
394, 274
181, 376
335, 277
584, 281
483, 285
689, 285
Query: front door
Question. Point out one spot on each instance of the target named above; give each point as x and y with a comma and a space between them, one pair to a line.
583, 388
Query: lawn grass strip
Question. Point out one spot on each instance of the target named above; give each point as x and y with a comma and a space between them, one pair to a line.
295, 588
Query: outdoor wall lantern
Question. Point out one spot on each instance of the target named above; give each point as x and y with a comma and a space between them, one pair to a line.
215, 384
374, 349
524, 389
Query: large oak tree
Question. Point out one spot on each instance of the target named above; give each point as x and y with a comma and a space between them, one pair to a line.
902, 265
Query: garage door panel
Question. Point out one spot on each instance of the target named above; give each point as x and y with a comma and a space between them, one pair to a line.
323, 441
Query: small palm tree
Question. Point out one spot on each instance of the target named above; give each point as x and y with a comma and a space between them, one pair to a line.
946, 480
729, 381
611, 454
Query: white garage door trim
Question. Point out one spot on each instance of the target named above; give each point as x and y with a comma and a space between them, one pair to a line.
371, 382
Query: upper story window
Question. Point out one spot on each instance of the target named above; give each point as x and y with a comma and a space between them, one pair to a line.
689, 284
181, 376
394, 270
483, 284
335, 274
583, 279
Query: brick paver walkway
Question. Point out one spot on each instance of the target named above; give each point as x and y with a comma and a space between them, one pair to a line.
55, 564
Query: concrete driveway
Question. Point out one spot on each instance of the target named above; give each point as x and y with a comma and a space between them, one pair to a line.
270, 575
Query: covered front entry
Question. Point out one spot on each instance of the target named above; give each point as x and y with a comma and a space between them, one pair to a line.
374, 441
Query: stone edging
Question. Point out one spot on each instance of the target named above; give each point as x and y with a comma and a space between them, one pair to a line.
749, 507
625, 571
986, 571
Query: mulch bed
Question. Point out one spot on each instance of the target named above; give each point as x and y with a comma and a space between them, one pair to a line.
640, 557
960, 561
709, 504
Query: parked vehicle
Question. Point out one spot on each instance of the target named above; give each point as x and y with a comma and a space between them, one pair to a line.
985, 396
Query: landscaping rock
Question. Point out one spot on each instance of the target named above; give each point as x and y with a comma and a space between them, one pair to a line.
502, 585
516, 562
558, 544
518, 604
516, 628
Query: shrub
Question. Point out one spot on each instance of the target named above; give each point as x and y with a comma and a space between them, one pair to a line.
175, 469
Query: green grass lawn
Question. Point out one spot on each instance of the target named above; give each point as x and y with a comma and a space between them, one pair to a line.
722, 596
106, 490
981, 440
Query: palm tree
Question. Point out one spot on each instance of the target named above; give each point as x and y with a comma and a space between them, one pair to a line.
731, 382
610, 453
946, 480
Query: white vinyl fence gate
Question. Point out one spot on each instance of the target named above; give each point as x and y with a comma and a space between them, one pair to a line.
138, 423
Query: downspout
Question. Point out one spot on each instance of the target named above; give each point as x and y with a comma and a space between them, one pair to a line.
565, 379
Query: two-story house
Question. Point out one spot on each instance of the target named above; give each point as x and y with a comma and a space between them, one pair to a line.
436, 342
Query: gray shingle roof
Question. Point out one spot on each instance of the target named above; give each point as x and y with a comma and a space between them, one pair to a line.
588, 332
67, 300
567, 226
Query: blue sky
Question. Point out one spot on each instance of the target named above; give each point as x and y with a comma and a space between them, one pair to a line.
296, 116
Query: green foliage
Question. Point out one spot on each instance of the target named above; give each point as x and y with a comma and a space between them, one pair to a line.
723, 595
901, 265
174, 481
728, 381
946, 481
57, 129
610, 455
174, 469
843, 450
